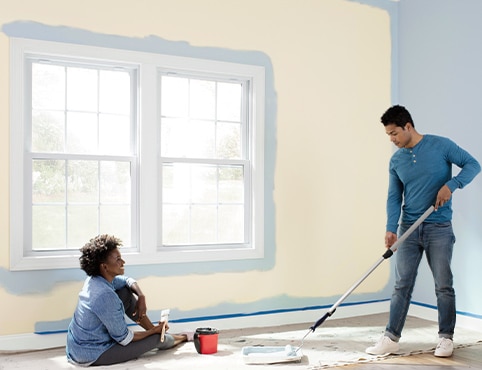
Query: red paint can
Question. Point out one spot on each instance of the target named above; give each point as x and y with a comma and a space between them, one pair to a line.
206, 340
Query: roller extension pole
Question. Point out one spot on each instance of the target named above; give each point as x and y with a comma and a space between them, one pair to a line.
385, 256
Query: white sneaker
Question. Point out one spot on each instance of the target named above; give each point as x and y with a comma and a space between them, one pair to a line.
445, 348
384, 346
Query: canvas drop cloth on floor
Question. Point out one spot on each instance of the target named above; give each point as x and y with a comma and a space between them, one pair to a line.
336, 342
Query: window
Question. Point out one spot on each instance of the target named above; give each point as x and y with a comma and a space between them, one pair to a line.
164, 152
204, 166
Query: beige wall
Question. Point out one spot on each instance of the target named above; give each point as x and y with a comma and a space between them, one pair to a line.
332, 67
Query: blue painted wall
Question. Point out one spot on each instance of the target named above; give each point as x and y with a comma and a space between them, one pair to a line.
440, 79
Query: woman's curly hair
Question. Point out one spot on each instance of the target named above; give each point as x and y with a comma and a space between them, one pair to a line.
96, 252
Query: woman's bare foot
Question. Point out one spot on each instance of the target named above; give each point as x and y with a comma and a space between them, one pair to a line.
180, 338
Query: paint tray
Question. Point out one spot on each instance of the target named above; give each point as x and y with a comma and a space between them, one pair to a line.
270, 355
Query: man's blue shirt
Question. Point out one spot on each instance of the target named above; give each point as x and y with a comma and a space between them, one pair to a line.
417, 174
98, 322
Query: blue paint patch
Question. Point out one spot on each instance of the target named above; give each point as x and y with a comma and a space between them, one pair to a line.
33, 282
273, 312
232, 310
29, 282
226, 316
61, 326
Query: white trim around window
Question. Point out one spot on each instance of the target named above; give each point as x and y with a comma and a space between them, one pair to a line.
144, 246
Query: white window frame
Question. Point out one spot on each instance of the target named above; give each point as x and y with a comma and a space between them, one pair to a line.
145, 249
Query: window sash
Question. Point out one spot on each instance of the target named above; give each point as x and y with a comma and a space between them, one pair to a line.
247, 209
179, 124
53, 223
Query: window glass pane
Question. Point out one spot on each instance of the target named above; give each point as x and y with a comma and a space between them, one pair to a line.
48, 227
174, 96
115, 182
229, 101
82, 89
48, 86
181, 138
114, 134
83, 182
231, 184
176, 183
115, 93
173, 137
48, 131
204, 184
231, 224
82, 225
228, 140
82, 132
202, 102
200, 138
116, 220
48, 181
203, 224
175, 224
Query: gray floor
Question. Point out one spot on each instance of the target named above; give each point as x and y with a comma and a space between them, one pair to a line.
339, 342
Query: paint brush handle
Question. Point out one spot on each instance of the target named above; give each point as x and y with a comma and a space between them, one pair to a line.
163, 332
164, 317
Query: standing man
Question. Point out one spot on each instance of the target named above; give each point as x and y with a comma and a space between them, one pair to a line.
420, 175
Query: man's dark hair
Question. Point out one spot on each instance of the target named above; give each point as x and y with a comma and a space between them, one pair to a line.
96, 252
397, 115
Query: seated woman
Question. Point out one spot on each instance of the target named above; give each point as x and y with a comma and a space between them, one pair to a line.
98, 333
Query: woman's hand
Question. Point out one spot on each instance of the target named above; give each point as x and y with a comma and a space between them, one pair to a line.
164, 324
141, 307
156, 329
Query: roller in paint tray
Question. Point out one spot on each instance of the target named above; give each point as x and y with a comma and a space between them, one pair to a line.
289, 353
270, 354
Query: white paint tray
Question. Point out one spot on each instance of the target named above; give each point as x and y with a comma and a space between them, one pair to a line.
270, 355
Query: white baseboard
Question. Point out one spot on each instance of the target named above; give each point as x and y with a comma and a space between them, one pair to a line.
468, 322
32, 342
428, 313
422, 312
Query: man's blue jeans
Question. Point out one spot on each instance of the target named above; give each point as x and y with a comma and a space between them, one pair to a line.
437, 241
